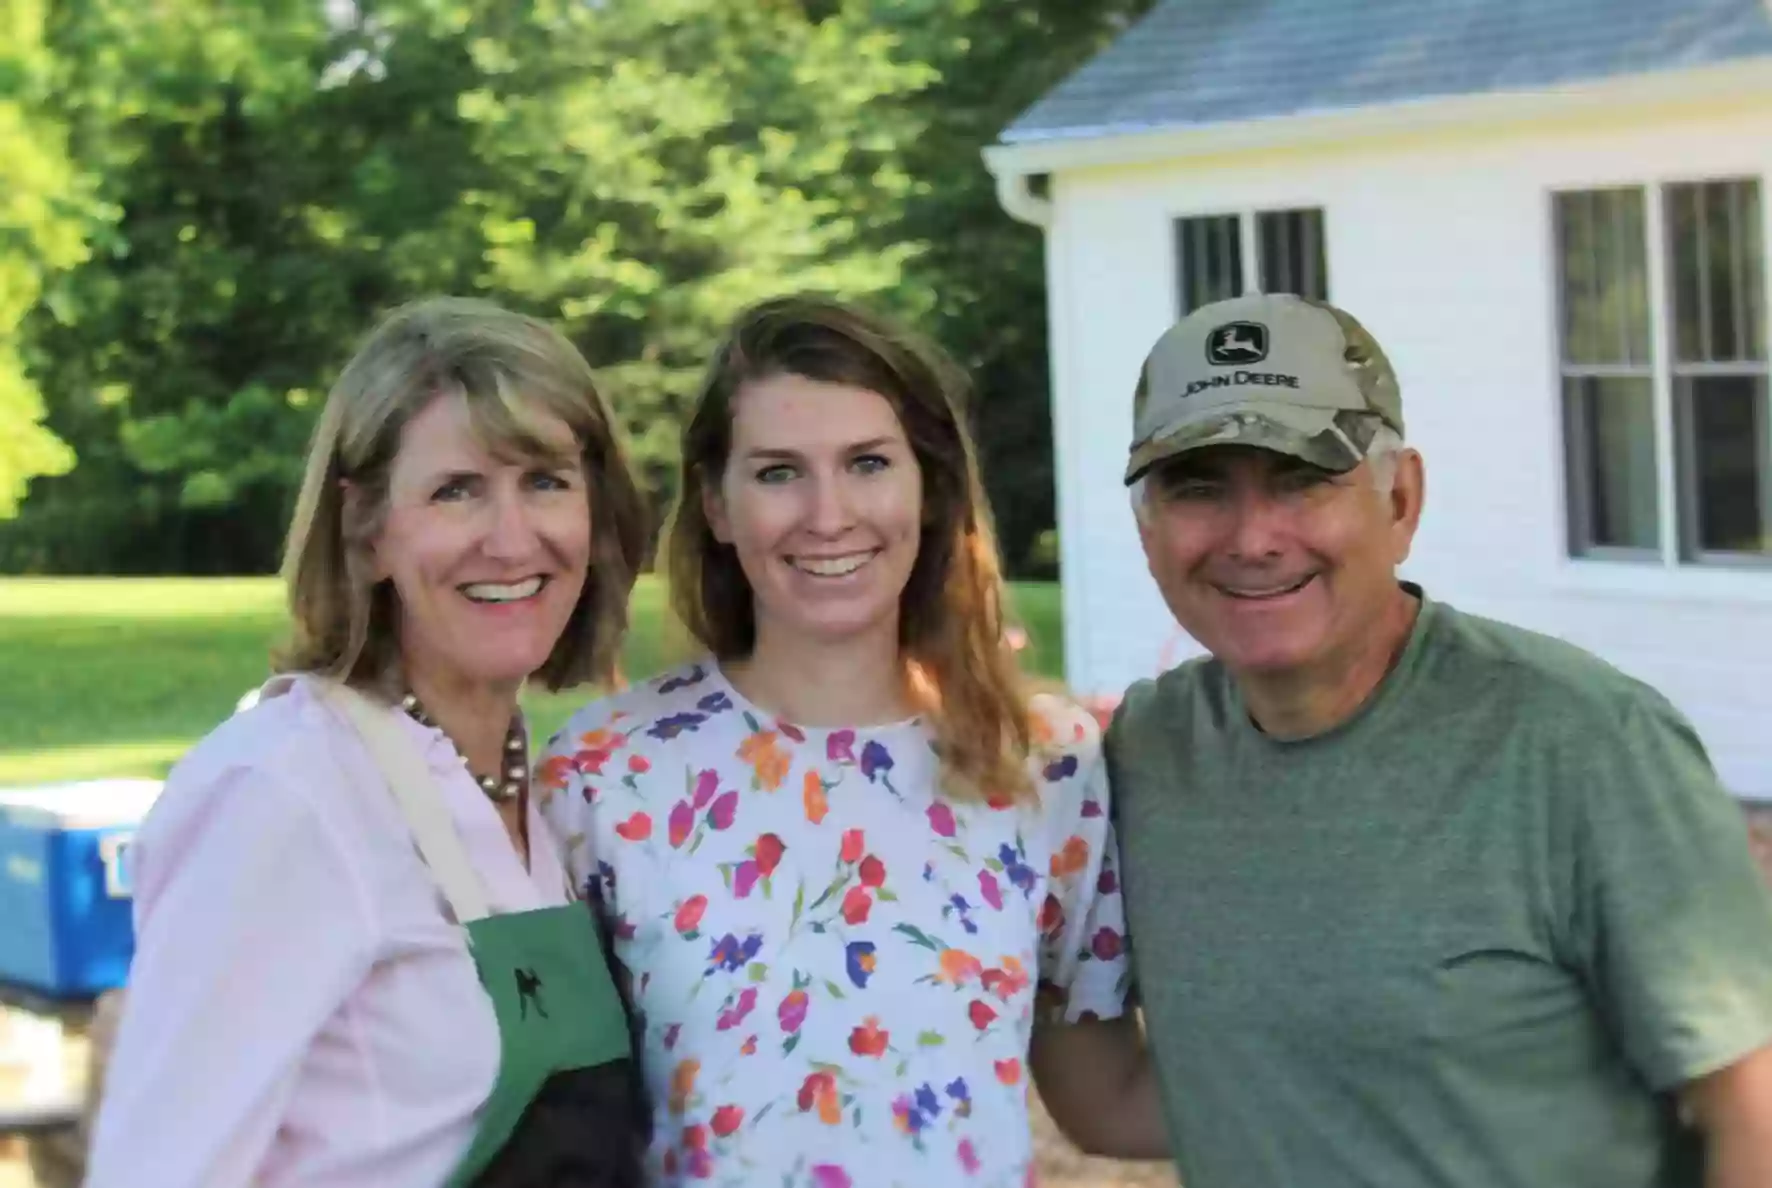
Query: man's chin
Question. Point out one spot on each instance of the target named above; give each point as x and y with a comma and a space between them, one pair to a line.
1264, 658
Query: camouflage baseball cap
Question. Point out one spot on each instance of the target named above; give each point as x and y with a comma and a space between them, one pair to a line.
1276, 371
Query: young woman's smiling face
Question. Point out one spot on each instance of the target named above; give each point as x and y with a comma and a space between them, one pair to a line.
822, 501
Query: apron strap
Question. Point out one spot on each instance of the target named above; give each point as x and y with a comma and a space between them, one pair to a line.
409, 778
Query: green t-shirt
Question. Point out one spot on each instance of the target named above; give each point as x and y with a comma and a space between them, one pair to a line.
1471, 938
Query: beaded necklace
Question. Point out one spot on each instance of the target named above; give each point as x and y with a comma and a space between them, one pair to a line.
500, 788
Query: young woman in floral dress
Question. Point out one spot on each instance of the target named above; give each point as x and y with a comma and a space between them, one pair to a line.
852, 863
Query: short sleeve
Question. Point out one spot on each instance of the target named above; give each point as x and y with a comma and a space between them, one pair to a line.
1084, 970
565, 792
252, 928
1121, 789
1672, 918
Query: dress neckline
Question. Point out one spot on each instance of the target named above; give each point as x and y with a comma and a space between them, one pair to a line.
718, 673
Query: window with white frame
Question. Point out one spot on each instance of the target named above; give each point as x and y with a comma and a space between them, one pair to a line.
1667, 430
1271, 251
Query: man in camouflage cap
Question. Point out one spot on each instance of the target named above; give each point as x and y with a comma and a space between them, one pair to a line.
1414, 897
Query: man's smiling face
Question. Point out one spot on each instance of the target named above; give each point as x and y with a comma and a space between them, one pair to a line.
1274, 565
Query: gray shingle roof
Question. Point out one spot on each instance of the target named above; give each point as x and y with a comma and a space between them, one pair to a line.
1197, 62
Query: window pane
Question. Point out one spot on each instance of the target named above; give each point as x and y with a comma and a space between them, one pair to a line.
1723, 450
1209, 259
1604, 272
1610, 434
1715, 268
1293, 257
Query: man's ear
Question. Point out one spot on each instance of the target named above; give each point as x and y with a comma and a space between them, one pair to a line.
1407, 497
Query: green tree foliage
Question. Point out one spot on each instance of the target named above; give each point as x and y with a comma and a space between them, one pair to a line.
183, 357
286, 170
42, 217
678, 160
983, 272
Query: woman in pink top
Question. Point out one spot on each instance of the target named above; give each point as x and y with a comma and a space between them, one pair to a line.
359, 962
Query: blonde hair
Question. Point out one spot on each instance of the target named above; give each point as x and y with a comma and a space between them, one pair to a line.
509, 370
951, 620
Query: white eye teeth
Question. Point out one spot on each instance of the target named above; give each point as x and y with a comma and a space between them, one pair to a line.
833, 567
494, 592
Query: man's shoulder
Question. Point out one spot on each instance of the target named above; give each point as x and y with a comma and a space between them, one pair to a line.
1155, 702
1168, 723
1531, 668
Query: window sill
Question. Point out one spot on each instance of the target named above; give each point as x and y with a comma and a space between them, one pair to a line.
1649, 579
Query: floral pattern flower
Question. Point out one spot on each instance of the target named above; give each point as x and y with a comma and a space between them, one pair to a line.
808, 896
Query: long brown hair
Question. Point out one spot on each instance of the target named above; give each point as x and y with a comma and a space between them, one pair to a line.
507, 368
951, 621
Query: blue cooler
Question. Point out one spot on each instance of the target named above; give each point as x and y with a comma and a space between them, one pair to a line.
66, 923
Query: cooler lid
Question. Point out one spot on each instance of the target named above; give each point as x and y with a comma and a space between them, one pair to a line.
82, 804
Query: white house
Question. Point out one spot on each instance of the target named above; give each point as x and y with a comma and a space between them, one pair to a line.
1554, 216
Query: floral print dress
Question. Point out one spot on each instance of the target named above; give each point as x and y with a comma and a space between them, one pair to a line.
836, 966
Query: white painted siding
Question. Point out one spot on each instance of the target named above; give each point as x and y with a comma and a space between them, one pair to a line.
1442, 247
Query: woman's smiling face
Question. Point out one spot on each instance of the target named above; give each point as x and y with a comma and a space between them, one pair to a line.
822, 501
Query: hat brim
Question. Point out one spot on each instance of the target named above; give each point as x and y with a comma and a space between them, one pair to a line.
1311, 435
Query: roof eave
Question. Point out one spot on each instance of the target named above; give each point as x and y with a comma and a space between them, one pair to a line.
1084, 148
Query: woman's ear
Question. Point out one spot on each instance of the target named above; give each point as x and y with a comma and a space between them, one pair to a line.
713, 509
353, 512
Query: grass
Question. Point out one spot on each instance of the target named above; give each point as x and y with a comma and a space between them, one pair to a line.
119, 676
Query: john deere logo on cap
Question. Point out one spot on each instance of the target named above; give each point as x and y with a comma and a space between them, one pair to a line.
1237, 342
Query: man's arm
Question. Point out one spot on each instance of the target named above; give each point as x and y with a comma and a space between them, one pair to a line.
1098, 1082
1087, 1054
1672, 927
1733, 1107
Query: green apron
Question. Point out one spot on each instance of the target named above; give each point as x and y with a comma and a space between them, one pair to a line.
544, 970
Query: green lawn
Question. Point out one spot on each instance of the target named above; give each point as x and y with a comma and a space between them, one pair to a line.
118, 676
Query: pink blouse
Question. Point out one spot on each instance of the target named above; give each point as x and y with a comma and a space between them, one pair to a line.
301, 1010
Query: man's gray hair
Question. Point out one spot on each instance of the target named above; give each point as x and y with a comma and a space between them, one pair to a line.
1382, 452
